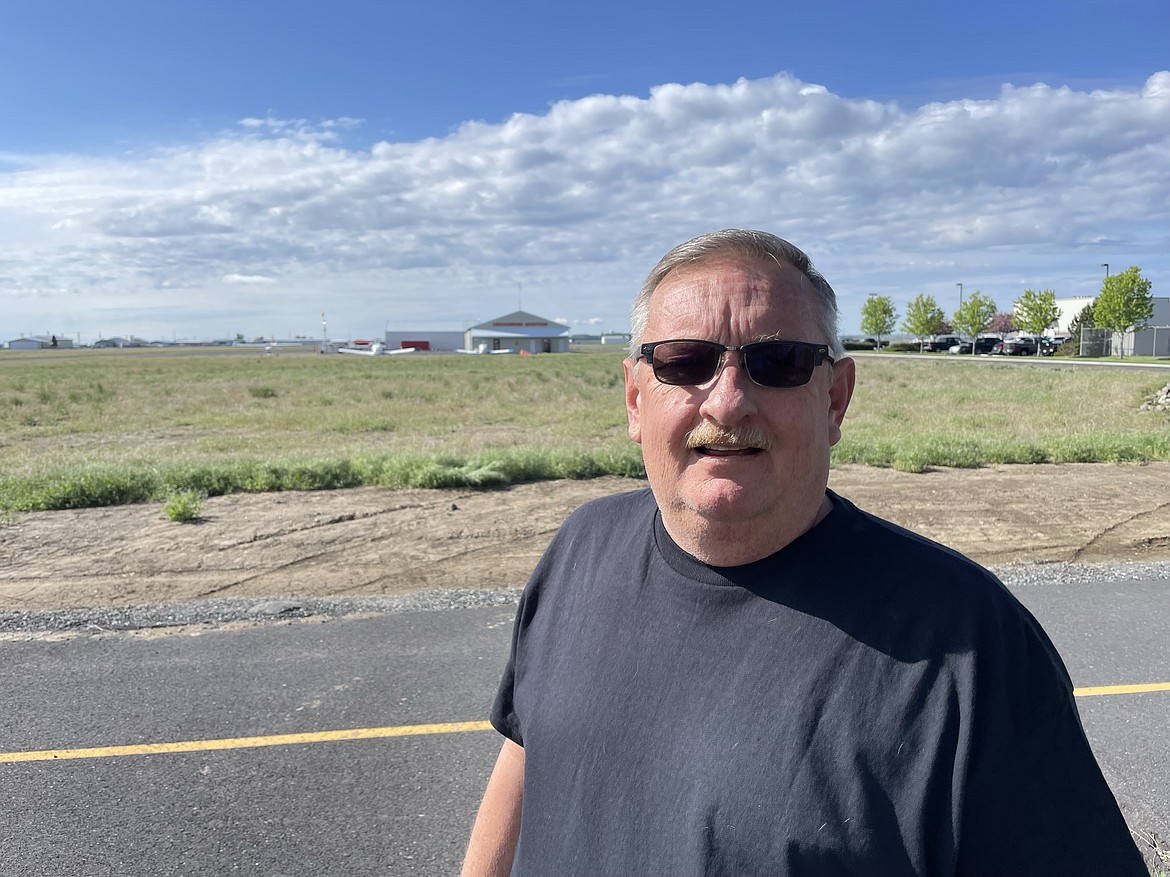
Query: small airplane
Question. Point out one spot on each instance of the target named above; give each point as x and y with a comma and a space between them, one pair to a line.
375, 349
483, 349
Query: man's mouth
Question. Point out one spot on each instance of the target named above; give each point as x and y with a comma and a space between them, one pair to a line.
714, 440
727, 450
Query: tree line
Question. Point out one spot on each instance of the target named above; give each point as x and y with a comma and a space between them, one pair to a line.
1124, 304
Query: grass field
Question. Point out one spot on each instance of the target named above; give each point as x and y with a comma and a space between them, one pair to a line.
86, 428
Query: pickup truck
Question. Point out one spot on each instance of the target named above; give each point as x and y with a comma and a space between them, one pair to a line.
1019, 347
941, 343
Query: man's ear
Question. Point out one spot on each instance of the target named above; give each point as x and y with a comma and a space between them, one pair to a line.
633, 400
840, 392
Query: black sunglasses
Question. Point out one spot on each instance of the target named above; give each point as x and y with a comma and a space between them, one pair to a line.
687, 362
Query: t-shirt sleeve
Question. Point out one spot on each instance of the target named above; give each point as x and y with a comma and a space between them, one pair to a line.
1043, 807
1035, 801
503, 715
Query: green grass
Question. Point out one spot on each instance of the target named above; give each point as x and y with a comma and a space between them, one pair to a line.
912, 415
90, 428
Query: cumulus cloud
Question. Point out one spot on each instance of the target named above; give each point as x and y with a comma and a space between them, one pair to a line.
577, 203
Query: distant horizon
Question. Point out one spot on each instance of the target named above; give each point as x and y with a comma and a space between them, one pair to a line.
437, 326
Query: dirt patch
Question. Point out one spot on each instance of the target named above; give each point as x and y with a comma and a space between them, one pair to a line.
373, 541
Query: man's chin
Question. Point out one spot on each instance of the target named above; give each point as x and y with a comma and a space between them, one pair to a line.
725, 499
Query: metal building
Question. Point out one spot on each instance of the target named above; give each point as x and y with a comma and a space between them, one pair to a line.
40, 342
520, 332
424, 339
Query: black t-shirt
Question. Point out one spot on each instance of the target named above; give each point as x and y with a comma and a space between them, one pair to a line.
862, 702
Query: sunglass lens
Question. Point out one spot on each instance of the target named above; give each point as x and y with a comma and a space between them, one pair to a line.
780, 363
685, 363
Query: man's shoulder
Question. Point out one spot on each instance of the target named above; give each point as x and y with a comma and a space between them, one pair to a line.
604, 540
604, 525
915, 568
932, 580
614, 508
883, 539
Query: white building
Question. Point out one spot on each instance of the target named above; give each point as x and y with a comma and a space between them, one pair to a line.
519, 331
424, 339
1069, 309
40, 342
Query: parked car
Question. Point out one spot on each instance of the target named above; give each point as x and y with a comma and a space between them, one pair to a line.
942, 343
982, 345
1019, 347
872, 342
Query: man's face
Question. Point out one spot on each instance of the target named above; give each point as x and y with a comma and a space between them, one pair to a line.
772, 490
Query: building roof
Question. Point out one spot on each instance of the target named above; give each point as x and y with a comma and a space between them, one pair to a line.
520, 324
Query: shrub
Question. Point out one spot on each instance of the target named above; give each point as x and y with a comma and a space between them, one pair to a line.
183, 506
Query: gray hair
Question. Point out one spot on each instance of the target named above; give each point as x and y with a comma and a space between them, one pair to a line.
747, 244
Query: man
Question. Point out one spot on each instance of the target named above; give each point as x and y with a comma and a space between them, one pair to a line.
702, 683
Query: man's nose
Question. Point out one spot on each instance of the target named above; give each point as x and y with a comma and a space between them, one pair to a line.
729, 398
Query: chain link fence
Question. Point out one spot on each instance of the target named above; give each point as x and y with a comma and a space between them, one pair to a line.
1096, 342
1151, 341
1159, 342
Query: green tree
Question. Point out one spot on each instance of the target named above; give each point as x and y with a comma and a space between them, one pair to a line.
1035, 312
878, 316
1083, 320
1125, 303
974, 316
923, 318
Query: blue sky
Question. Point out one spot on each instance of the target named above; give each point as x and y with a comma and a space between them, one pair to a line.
200, 169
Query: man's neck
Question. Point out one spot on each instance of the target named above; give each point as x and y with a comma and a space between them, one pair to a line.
734, 543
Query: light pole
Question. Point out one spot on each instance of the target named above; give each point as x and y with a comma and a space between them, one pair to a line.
1104, 265
960, 293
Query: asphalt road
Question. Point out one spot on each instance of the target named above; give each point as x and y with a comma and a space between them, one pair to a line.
400, 802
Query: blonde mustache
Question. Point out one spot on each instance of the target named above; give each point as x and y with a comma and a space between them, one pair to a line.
707, 434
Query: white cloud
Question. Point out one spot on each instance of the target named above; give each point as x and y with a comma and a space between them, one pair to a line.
278, 220
249, 279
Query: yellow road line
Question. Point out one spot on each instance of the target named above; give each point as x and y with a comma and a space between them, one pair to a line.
1098, 690
373, 734
244, 742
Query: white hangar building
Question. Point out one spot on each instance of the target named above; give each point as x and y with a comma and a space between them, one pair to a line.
40, 342
519, 331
